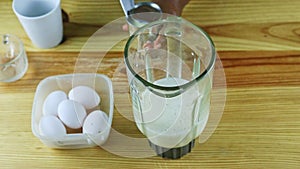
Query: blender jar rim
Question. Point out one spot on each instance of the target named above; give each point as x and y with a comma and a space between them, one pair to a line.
171, 88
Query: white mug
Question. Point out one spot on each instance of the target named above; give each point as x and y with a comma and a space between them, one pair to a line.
41, 20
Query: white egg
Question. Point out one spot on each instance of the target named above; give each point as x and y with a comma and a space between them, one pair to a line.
51, 126
51, 102
71, 113
95, 122
87, 96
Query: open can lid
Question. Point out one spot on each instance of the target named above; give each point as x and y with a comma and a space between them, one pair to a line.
144, 13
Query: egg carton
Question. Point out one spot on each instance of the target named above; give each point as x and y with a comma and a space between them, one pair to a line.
100, 83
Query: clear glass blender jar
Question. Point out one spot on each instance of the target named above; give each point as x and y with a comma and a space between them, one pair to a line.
170, 65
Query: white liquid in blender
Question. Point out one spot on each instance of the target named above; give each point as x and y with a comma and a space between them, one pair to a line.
171, 122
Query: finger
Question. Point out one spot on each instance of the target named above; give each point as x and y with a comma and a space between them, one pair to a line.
125, 27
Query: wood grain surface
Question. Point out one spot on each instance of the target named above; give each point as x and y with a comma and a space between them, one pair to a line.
258, 42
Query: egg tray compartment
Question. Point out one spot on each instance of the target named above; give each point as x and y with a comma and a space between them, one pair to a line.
103, 86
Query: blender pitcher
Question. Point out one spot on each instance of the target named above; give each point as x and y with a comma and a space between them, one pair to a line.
169, 66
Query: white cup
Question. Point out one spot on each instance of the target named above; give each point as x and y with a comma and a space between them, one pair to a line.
41, 20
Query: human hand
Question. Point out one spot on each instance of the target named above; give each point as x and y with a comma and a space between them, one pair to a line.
174, 7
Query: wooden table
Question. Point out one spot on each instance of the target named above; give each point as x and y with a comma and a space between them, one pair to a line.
259, 44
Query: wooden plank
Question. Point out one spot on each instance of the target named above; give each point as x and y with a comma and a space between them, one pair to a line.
242, 69
256, 130
230, 25
206, 12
